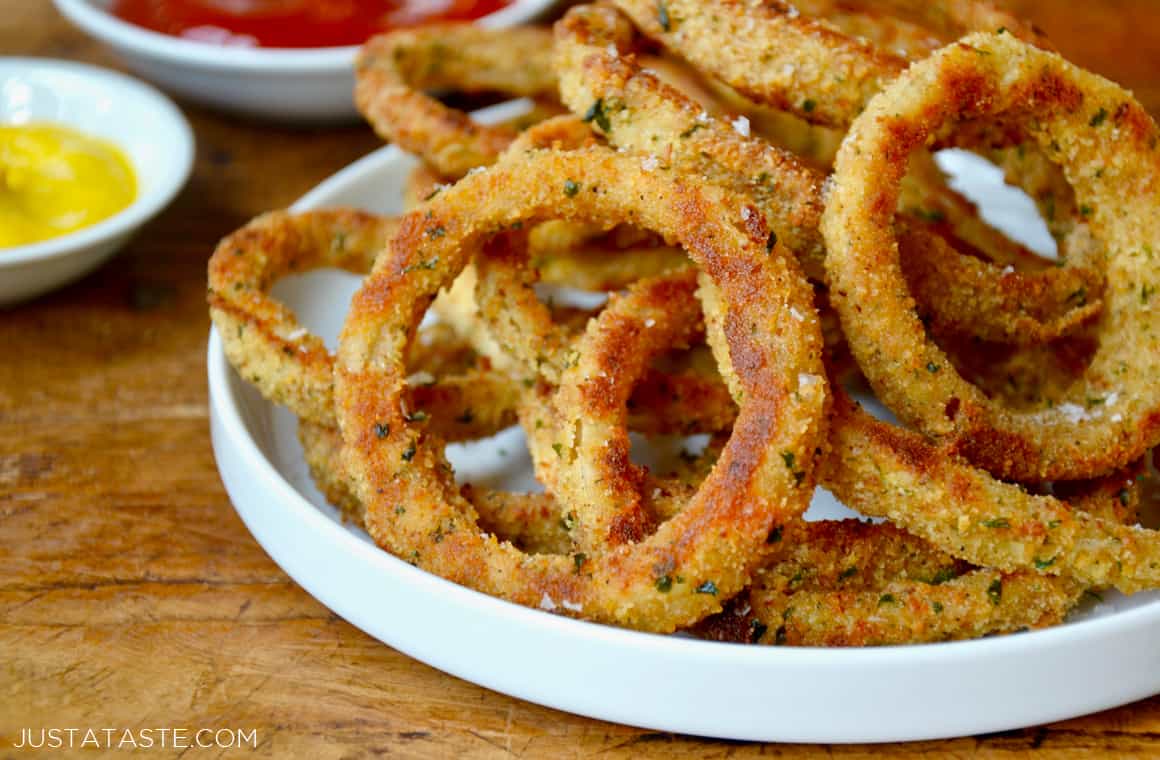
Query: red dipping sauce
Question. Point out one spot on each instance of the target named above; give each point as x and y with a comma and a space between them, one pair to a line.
293, 23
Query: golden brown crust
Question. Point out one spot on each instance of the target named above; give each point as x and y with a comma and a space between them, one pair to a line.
633, 109
772, 53
749, 490
394, 70
1060, 106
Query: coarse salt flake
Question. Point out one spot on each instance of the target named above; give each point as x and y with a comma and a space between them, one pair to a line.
805, 380
1073, 412
546, 603
741, 126
650, 163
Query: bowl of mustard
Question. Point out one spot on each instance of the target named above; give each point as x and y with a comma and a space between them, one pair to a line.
87, 156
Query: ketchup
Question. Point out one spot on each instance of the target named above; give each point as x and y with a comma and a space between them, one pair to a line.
293, 23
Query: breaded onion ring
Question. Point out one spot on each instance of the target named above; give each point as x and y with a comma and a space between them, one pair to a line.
1107, 144
885, 471
652, 584
394, 69
771, 53
635, 110
288, 364
262, 338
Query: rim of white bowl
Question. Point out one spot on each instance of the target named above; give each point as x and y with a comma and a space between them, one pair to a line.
106, 27
146, 205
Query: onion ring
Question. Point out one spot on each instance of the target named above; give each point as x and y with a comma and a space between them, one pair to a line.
291, 366
748, 492
393, 69
634, 110
985, 75
884, 471
808, 66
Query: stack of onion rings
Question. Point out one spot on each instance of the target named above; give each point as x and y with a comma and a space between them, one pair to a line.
732, 346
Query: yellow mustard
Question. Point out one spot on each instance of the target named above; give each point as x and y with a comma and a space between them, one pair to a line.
55, 180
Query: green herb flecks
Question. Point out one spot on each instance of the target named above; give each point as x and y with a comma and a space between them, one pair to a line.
597, 114
943, 575
995, 591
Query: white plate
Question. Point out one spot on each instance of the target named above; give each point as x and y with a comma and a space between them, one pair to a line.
1103, 658
300, 86
130, 114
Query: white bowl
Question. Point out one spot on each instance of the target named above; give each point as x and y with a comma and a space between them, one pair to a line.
130, 114
308, 85
1103, 656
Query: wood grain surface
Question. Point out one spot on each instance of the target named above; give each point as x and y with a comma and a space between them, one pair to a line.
131, 595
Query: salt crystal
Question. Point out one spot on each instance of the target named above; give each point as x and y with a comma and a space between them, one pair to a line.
741, 126
1073, 412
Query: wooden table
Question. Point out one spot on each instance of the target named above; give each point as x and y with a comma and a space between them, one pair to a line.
131, 594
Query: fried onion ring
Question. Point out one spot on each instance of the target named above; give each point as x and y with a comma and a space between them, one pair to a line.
635, 110
748, 492
393, 70
808, 66
291, 366
1064, 108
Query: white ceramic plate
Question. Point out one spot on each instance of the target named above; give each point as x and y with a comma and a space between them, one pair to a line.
299, 86
1103, 658
130, 114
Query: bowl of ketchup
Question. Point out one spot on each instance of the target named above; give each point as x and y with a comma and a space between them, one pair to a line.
285, 60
